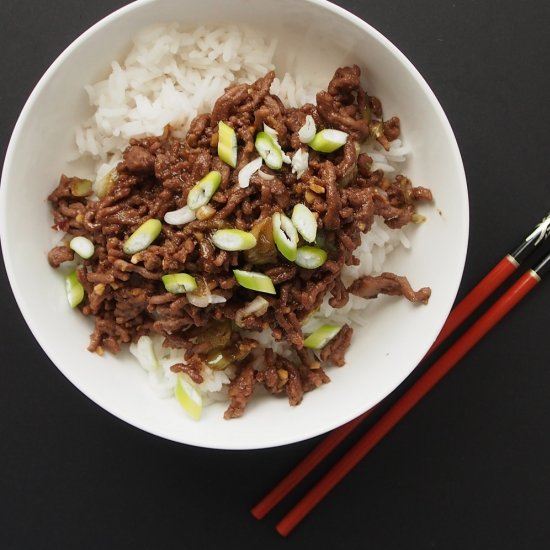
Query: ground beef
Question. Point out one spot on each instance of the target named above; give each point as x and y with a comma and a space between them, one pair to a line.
125, 293
388, 283
60, 254
334, 352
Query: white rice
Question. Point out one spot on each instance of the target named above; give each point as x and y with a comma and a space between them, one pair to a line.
170, 76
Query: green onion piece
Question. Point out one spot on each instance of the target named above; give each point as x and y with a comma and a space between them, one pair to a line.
305, 222
204, 190
143, 236
227, 144
189, 398
80, 187
310, 257
269, 151
285, 236
144, 351
254, 281
82, 246
74, 288
327, 141
322, 336
233, 239
179, 283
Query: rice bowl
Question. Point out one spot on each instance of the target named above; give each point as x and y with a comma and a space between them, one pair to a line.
432, 162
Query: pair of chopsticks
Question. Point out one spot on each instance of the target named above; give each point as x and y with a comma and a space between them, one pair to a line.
494, 279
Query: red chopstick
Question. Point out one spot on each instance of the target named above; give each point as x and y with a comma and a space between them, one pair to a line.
413, 395
460, 313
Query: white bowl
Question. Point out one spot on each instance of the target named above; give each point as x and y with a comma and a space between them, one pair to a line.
398, 333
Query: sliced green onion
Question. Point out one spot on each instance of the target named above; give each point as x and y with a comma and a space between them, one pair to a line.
305, 222
143, 236
300, 162
233, 239
322, 336
310, 257
189, 398
227, 144
307, 132
273, 133
82, 246
74, 288
144, 352
285, 236
245, 173
254, 281
180, 216
269, 150
178, 283
204, 190
327, 141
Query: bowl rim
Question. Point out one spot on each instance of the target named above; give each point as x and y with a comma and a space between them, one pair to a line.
18, 292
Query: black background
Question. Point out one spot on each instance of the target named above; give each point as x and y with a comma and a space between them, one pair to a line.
468, 468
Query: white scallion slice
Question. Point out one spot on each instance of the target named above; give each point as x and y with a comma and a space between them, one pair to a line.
300, 162
188, 397
305, 222
265, 176
143, 236
329, 140
204, 190
322, 336
273, 133
83, 247
179, 283
285, 236
144, 352
227, 144
268, 150
310, 257
254, 281
180, 217
233, 240
307, 132
74, 288
246, 171
256, 307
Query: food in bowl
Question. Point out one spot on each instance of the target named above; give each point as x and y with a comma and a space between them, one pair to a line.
223, 253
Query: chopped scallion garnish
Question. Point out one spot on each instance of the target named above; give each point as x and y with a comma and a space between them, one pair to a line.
82, 246
178, 283
310, 257
74, 288
143, 236
305, 222
233, 240
204, 190
227, 144
285, 236
329, 140
322, 336
254, 281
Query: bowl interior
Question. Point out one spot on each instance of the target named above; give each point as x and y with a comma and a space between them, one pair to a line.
314, 38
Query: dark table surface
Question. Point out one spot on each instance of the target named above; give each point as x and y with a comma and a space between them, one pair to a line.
468, 468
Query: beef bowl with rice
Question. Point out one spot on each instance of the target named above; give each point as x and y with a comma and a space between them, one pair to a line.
243, 218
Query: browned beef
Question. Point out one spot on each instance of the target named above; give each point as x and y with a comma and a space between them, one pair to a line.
240, 391
60, 254
334, 352
125, 293
388, 283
